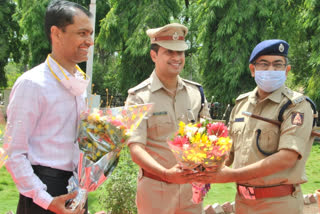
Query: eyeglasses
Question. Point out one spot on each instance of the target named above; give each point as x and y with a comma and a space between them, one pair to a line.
265, 66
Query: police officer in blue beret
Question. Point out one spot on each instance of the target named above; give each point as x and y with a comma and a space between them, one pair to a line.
268, 160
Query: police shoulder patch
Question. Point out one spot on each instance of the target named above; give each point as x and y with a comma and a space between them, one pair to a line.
297, 118
138, 87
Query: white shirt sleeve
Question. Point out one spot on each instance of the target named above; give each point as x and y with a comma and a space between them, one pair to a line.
23, 113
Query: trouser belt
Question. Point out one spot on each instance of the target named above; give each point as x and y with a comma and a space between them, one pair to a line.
250, 192
51, 172
152, 176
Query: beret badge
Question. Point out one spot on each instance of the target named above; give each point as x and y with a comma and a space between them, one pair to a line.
281, 47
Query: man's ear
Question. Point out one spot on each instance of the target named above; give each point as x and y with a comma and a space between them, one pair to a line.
288, 69
252, 70
55, 33
153, 55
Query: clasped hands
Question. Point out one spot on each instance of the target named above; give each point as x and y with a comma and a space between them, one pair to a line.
179, 175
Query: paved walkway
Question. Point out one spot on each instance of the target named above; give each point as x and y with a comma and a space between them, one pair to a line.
311, 209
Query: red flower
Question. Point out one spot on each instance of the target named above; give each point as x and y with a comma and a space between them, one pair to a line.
179, 141
217, 129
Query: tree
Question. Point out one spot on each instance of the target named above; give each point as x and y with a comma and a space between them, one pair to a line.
9, 38
310, 20
228, 31
30, 14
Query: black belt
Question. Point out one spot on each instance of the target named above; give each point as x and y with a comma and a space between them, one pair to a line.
51, 172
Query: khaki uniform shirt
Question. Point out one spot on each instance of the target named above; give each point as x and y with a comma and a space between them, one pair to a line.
168, 110
293, 134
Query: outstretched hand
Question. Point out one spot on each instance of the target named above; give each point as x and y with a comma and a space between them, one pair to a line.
178, 175
58, 205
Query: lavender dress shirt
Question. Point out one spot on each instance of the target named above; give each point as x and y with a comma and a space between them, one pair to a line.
42, 126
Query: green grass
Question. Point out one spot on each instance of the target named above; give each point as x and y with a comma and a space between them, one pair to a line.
219, 193
8, 192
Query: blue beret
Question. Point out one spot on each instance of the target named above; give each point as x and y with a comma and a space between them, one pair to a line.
270, 47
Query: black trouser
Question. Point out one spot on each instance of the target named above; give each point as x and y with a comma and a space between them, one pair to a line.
56, 181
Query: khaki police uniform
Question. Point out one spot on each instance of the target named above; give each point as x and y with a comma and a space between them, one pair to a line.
155, 196
293, 134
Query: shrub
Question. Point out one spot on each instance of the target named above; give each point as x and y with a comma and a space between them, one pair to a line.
117, 194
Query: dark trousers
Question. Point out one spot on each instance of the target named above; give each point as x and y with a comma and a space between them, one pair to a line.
56, 181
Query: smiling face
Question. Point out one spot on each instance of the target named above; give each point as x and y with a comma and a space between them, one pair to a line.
72, 42
168, 63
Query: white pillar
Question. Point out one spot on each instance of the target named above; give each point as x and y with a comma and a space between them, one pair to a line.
92, 9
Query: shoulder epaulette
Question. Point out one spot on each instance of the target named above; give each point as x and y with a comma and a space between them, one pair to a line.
241, 96
294, 96
138, 87
191, 82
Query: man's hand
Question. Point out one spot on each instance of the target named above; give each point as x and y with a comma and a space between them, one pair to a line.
58, 204
178, 175
223, 175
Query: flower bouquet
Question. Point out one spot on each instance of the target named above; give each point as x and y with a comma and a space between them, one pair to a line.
102, 135
199, 146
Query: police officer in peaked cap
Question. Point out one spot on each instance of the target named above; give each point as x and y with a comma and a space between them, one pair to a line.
163, 187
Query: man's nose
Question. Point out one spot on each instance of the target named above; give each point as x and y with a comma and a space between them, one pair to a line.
89, 40
175, 55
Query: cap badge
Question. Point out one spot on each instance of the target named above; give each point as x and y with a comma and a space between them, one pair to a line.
175, 36
281, 47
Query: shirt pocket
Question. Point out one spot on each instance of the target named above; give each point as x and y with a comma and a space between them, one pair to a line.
267, 138
160, 127
236, 134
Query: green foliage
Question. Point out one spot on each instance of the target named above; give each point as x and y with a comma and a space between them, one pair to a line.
13, 71
311, 22
221, 37
228, 31
9, 37
30, 14
118, 193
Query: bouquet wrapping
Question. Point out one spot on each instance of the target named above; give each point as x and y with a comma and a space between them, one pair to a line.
199, 146
102, 135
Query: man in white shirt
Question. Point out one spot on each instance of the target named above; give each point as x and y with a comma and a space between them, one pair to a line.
43, 114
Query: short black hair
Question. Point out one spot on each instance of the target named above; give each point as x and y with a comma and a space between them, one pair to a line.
60, 13
155, 47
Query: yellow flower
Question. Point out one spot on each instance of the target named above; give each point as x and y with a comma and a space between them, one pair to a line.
99, 126
134, 116
196, 156
181, 128
224, 143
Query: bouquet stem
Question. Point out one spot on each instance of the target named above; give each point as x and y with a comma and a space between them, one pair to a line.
199, 190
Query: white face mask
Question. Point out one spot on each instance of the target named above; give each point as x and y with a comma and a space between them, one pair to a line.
75, 86
270, 81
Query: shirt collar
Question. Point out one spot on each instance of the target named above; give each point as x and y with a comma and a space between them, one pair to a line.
57, 71
156, 84
275, 96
